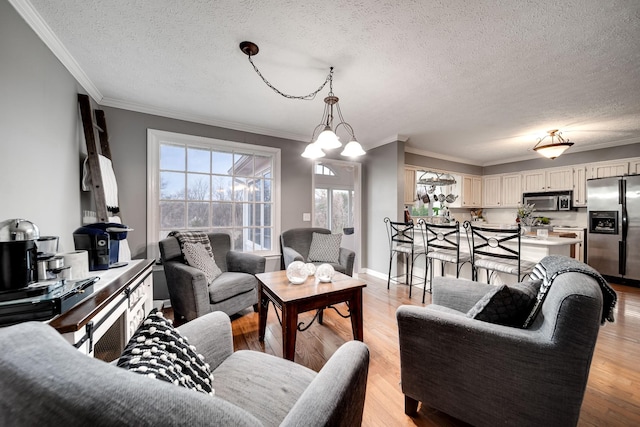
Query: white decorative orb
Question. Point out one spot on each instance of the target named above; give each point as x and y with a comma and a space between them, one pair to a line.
311, 268
297, 272
324, 272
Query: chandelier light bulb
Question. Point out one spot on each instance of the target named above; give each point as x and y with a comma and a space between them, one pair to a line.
313, 151
328, 140
353, 149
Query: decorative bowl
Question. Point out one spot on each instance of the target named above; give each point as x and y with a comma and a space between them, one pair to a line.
297, 272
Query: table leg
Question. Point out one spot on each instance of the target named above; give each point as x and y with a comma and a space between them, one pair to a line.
262, 321
355, 307
289, 329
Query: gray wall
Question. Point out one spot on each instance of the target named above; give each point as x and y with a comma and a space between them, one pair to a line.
567, 159
39, 133
383, 180
447, 165
128, 142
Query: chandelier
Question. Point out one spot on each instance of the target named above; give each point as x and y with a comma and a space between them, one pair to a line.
324, 136
555, 148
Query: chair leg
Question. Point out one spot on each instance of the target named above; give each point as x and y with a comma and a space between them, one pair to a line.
389, 278
410, 406
410, 260
255, 307
424, 288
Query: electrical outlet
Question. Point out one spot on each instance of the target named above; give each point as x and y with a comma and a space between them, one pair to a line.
306, 217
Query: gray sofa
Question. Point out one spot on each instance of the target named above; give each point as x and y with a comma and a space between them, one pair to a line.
487, 374
231, 292
46, 382
295, 244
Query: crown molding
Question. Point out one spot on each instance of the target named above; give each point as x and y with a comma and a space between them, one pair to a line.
49, 38
441, 156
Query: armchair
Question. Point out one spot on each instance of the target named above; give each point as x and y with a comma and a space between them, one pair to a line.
487, 374
66, 387
234, 290
295, 245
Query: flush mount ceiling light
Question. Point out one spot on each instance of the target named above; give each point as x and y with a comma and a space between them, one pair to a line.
554, 148
327, 139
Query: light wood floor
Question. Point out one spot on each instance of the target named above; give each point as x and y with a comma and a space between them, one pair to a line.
613, 391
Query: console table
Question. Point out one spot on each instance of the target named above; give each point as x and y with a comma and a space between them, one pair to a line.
121, 300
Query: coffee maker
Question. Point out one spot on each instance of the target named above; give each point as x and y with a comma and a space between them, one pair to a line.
18, 254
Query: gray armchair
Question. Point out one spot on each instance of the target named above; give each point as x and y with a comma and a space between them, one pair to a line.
487, 374
234, 290
45, 381
295, 244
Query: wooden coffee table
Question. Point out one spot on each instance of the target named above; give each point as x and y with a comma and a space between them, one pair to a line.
293, 299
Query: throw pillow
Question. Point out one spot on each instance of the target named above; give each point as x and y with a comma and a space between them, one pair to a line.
158, 350
197, 256
325, 247
524, 294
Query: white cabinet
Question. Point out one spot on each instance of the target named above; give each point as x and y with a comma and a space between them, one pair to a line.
471, 191
559, 179
533, 181
491, 191
607, 169
410, 189
578, 249
511, 190
547, 179
634, 167
580, 186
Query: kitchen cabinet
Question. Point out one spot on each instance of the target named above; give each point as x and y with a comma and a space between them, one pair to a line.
491, 191
471, 191
547, 180
410, 189
580, 186
634, 166
578, 248
533, 181
511, 190
559, 179
607, 169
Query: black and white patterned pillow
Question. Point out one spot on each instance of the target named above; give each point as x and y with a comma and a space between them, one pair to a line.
505, 305
325, 247
197, 256
158, 350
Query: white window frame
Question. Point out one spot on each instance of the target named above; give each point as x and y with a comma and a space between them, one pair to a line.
156, 137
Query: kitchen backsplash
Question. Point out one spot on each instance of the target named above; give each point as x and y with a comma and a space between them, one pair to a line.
507, 216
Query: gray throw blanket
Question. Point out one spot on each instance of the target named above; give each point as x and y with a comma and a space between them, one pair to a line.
192, 237
552, 266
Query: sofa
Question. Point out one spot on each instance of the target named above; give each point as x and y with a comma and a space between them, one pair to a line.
295, 245
190, 294
47, 382
490, 374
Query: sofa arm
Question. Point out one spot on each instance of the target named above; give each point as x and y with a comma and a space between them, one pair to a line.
346, 259
336, 395
188, 290
211, 335
243, 262
458, 294
289, 255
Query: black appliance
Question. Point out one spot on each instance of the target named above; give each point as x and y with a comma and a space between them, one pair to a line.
18, 260
58, 298
102, 242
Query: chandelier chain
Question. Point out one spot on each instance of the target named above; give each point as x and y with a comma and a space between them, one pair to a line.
308, 97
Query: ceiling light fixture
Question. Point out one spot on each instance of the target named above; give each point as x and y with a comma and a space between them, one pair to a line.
554, 149
327, 139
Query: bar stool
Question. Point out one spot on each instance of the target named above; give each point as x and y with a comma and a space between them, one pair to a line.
402, 242
489, 251
442, 243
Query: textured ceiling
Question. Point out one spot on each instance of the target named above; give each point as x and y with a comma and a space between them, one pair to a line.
473, 81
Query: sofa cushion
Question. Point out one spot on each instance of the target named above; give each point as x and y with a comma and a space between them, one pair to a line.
158, 350
325, 247
506, 305
197, 256
266, 386
230, 284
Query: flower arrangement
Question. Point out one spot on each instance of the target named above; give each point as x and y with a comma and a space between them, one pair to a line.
525, 214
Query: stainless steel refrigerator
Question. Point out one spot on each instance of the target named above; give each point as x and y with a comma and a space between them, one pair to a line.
613, 238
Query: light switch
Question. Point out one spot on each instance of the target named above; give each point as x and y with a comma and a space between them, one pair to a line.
306, 216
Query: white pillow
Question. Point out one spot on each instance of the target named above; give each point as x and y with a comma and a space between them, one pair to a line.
325, 247
198, 256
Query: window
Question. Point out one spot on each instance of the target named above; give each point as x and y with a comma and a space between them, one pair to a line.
198, 183
324, 170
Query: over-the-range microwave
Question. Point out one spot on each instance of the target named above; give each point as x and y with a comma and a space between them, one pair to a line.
549, 201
